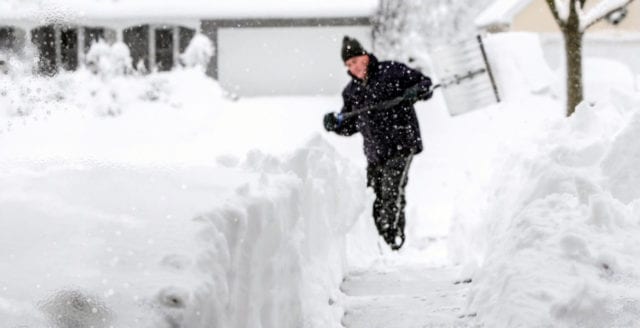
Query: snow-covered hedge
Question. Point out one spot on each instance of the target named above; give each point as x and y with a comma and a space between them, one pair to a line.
109, 60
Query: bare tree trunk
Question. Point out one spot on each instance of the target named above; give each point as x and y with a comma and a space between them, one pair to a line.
573, 51
573, 47
572, 34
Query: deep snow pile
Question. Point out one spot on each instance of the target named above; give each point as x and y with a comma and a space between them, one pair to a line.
547, 225
137, 201
104, 245
558, 240
279, 258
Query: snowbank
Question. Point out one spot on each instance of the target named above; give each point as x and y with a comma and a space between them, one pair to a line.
547, 224
272, 254
280, 256
126, 202
558, 240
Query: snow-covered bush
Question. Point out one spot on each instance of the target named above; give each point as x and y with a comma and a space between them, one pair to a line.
104, 95
17, 86
109, 60
198, 53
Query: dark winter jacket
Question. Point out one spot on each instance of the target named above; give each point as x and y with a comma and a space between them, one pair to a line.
387, 133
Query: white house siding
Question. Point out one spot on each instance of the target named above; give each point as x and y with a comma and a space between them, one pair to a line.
285, 60
621, 47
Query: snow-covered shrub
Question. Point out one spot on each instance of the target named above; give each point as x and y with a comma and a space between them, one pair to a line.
17, 89
198, 53
109, 60
104, 95
18, 66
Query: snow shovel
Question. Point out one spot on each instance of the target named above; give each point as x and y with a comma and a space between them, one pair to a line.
456, 79
379, 106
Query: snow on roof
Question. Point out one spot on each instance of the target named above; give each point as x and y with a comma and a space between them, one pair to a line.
47, 11
500, 12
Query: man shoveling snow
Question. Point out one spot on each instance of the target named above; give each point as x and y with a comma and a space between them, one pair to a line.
387, 91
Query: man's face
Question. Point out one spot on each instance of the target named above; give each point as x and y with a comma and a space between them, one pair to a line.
358, 66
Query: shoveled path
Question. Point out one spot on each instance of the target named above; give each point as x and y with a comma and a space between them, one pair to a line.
405, 296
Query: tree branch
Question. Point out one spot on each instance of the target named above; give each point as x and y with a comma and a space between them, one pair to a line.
554, 12
601, 11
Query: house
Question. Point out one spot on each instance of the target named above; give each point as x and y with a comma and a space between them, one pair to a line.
267, 47
535, 16
619, 31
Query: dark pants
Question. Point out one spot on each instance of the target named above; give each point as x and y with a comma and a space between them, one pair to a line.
388, 181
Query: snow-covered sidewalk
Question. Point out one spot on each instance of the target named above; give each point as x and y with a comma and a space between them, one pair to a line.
398, 291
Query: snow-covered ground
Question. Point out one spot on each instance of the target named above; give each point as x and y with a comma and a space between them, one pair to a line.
154, 202
157, 201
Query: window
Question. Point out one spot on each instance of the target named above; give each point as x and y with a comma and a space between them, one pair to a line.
164, 48
137, 39
69, 48
7, 39
91, 36
160, 48
45, 41
186, 34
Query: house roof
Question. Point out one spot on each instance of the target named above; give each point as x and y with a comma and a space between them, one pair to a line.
500, 12
28, 12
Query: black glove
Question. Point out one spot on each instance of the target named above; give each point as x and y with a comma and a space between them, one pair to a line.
425, 95
416, 93
331, 121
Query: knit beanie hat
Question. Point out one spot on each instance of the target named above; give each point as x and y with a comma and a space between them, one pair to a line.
351, 48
